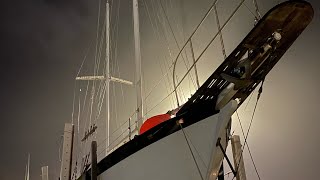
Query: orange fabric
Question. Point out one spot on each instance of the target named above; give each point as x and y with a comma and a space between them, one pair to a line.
153, 121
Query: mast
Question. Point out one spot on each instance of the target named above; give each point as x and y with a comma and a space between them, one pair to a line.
44, 173
27, 174
67, 147
238, 157
138, 76
107, 76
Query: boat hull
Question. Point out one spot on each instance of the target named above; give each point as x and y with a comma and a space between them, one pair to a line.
171, 158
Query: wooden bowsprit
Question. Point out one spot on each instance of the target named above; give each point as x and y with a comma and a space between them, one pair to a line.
253, 58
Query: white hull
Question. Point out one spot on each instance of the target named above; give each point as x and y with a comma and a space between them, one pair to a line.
170, 157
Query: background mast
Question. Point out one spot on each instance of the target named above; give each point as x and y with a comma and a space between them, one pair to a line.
107, 76
138, 76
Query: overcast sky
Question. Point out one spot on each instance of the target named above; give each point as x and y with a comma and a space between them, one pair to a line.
42, 46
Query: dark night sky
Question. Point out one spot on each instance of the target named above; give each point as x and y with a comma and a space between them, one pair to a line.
42, 45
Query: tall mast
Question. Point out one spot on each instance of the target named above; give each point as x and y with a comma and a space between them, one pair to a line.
107, 77
138, 77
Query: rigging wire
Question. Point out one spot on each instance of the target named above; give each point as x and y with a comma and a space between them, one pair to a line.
185, 44
181, 126
96, 64
84, 103
115, 140
115, 104
182, 95
194, 159
257, 9
229, 18
176, 41
247, 134
232, 14
195, 67
102, 85
226, 22
116, 51
251, 12
97, 56
257, 15
166, 62
157, 34
251, 157
181, 29
79, 110
97, 68
97, 37
194, 147
254, 164
160, 20
248, 101
100, 90
204, 50
114, 31
220, 32
74, 89
100, 102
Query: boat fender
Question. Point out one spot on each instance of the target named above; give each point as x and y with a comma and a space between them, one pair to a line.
153, 121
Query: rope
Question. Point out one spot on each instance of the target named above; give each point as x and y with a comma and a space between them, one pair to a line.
96, 66
247, 134
254, 164
248, 101
97, 57
257, 9
232, 14
254, 15
97, 33
257, 15
176, 41
194, 159
204, 164
195, 67
100, 102
155, 29
74, 89
220, 33
180, 28
116, 53
185, 44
